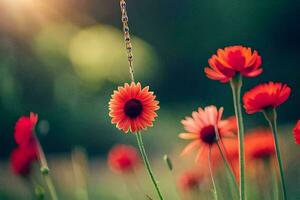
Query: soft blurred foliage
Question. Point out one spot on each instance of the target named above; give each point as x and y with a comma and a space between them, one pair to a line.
63, 58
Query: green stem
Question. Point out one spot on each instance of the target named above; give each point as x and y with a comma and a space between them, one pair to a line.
50, 187
271, 117
45, 170
211, 175
147, 163
236, 85
228, 168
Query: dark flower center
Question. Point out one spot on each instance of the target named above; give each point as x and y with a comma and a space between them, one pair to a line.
125, 163
133, 108
264, 154
192, 182
208, 135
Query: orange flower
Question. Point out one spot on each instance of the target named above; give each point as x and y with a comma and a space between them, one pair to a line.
263, 96
297, 132
201, 128
123, 158
259, 144
133, 108
189, 180
231, 60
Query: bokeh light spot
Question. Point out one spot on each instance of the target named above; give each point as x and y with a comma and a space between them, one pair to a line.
98, 53
51, 44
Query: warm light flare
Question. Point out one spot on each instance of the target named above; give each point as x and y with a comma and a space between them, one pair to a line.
19, 3
20, 17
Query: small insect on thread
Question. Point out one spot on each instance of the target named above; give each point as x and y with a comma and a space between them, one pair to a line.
127, 38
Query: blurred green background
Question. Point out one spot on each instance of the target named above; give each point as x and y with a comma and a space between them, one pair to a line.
63, 59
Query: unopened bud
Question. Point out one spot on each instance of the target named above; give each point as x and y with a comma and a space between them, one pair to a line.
45, 170
39, 192
168, 162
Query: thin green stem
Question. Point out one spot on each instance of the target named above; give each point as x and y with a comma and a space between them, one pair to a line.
45, 170
211, 175
147, 163
225, 160
228, 168
236, 85
271, 117
50, 187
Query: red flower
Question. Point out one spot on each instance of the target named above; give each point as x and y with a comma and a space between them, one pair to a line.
201, 129
232, 60
263, 96
189, 180
133, 108
24, 128
259, 144
123, 158
297, 132
23, 157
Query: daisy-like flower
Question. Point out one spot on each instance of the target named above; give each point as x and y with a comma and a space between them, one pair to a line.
297, 132
123, 159
201, 128
189, 181
224, 65
259, 144
265, 96
23, 157
133, 108
24, 128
